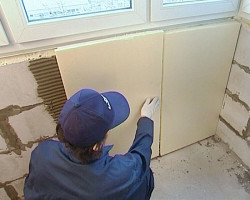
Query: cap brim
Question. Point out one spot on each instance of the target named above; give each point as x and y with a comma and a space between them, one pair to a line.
120, 106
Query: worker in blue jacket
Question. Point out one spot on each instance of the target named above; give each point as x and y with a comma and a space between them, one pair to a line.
79, 166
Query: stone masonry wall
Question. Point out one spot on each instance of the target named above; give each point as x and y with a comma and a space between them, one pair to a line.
28, 111
234, 124
24, 122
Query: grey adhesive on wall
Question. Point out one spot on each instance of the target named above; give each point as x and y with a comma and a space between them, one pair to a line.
50, 86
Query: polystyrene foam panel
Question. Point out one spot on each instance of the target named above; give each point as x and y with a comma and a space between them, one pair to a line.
130, 64
197, 62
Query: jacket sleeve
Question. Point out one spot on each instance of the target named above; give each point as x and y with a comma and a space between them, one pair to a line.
141, 147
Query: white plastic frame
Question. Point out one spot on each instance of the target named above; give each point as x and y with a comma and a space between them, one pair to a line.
210, 8
24, 32
245, 9
3, 39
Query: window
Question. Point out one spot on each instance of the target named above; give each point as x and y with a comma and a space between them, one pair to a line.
32, 25
47, 10
190, 10
43, 19
167, 2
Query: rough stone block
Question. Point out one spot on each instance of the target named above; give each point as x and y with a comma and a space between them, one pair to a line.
237, 144
239, 83
243, 48
33, 124
17, 86
3, 194
235, 114
14, 166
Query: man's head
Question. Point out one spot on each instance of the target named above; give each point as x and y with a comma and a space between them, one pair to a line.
88, 115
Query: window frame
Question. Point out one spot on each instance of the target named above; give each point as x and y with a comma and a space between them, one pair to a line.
39, 37
24, 32
206, 10
245, 10
3, 38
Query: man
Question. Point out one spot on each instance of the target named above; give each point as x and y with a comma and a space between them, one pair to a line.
79, 167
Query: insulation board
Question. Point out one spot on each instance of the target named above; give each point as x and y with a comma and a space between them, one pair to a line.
129, 64
197, 62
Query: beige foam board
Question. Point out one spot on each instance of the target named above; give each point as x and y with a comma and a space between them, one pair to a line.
197, 62
129, 64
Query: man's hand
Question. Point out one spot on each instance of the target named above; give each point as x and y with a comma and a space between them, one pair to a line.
149, 107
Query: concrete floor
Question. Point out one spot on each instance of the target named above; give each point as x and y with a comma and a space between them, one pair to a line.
205, 170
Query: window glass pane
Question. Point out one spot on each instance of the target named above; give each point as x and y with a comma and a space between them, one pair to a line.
167, 2
44, 10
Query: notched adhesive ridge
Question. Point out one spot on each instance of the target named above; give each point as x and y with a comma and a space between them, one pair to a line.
50, 86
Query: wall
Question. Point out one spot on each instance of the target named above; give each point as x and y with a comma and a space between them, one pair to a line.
28, 112
193, 86
234, 124
24, 121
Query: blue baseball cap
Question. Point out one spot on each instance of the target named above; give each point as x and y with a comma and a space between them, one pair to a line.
88, 115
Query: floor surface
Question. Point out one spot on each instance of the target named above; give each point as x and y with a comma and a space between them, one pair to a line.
205, 170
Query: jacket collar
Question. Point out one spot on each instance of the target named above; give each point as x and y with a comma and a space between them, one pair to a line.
70, 154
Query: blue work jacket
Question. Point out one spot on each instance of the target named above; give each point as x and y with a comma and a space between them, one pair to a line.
55, 173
